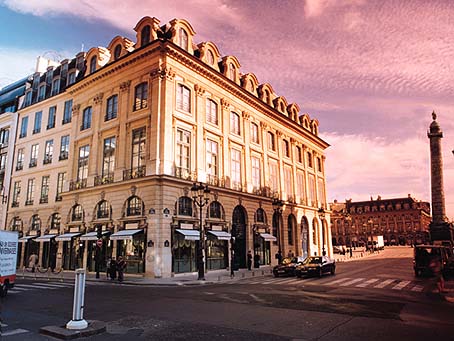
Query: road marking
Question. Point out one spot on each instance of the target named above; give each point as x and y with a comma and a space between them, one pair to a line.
384, 283
209, 293
232, 299
51, 285
35, 286
15, 332
401, 285
2, 325
417, 288
288, 280
260, 300
274, 280
340, 280
353, 281
16, 288
366, 283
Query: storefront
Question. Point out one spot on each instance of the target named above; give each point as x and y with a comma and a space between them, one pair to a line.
130, 244
263, 249
185, 243
48, 250
73, 250
217, 249
30, 247
104, 252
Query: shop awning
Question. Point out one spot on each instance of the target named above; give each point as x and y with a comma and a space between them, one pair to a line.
25, 239
125, 234
221, 235
67, 236
268, 237
189, 234
93, 235
45, 238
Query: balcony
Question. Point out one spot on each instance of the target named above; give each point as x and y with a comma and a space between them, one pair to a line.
15, 204
214, 180
58, 197
75, 185
19, 166
44, 200
29, 202
63, 156
103, 180
184, 173
134, 173
47, 159
33, 163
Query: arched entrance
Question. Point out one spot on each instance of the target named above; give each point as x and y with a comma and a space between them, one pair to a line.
304, 237
239, 232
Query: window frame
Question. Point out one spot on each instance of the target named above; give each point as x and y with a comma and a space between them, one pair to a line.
111, 108
183, 98
140, 96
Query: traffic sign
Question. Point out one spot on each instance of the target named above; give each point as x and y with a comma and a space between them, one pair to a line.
99, 242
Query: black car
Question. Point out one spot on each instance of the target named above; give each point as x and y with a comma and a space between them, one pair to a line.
287, 267
316, 265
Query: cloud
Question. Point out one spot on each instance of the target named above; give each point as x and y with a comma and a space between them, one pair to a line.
16, 64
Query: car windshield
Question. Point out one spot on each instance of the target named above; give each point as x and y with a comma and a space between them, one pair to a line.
289, 260
313, 260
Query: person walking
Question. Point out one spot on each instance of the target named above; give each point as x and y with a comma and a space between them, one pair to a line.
121, 266
278, 256
437, 270
249, 260
113, 269
33, 261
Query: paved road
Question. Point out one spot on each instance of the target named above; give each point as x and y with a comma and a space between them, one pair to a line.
373, 299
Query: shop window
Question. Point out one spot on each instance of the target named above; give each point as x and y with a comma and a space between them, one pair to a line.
185, 206
135, 206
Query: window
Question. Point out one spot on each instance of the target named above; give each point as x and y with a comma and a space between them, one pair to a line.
145, 35
37, 124
271, 141
232, 72
299, 154
86, 119
255, 133
321, 191
112, 108
82, 164
210, 57
60, 182
93, 63
4, 137
20, 159
44, 190
273, 176
211, 112
260, 216
300, 191
67, 113
286, 148
71, 78
51, 117
55, 87
34, 155
117, 52
288, 183
138, 148
183, 39
108, 164
312, 195
216, 210
235, 123
16, 194
235, 165
42, 93
103, 210
275, 225
30, 191
256, 172
183, 157
314, 233
23, 127
16, 225
48, 151
212, 158
28, 98
134, 207
55, 221
2, 167
185, 206
77, 213
290, 228
64, 148
319, 164
309, 159
183, 98
36, 223
141, 96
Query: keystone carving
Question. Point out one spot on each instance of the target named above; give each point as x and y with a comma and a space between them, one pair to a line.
162, 73
246, 115
98, 98
199, 90
225, 104
124, 86
76, 109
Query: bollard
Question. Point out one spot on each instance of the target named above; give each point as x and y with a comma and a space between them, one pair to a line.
78, 321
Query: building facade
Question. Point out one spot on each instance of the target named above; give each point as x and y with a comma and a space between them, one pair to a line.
401, 221
147, 120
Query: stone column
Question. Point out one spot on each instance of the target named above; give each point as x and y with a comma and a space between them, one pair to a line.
95, 149
122, 134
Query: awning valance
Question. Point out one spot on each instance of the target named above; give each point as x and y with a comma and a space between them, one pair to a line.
25, 239
221, 235
268, 237
93, 235
125, 234
189, 234
45, 238
67, 236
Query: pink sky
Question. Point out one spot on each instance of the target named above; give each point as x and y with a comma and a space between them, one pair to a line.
370, 71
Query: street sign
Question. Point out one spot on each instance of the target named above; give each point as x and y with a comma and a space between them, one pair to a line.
99, 242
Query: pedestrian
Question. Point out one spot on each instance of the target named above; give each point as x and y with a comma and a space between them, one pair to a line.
278, 256
121, 266
249, 260
108, 263
351, 252
435, 266
33, 261
256, 261
113, 269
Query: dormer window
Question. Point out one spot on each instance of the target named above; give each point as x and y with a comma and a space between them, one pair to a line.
183, 39
93, 64
210, 57
117, 52
42, 92
55, 87
145, 36
232, 72
71, 77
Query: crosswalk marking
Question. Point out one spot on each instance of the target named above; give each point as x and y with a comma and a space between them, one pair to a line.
401, 285
14, 332
353, 281
384, 283
417, 288
35, 286
366, 283
340, 280
53, 285
288, 280
16, 288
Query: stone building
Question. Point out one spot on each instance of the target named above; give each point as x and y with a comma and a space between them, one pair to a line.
149, 118
401, 221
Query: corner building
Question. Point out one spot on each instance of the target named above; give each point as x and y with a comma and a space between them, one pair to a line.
150, 118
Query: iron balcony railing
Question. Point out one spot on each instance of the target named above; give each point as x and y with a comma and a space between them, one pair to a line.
134, 173
103, 180
184, 173
77, 184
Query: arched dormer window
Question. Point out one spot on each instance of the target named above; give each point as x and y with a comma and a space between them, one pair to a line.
77, 213
103, 210
251, 86
145, 35
93, 62
210, 57
36, 223
183, 39
134, 206
266, 97
184, 206
260, 216
216, 211
117, 52
232, 72
55, 221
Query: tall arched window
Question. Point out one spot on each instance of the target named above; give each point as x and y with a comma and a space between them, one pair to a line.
93, 64
145, 35
216, 210
210, 57
77, 213
260, 216
103, 210
117, 52
134, 206
235, 123
314, 232
183, 98
184, 206
183, 39
55, 221
275, 225
36, 223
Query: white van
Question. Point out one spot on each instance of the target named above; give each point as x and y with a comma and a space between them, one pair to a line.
8, 260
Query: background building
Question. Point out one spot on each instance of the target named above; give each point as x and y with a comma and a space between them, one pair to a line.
148, 118
401, 221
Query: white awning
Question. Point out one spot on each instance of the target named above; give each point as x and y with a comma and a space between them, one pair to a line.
25, 239
67, 236
93, 235
221, 235
268, 237
125, 234
189, 234
45, 238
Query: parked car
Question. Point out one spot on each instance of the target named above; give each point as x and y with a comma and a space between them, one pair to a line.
287, 267
316, 265
424, 254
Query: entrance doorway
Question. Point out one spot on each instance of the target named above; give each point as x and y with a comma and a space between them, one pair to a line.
239, 233
304, 237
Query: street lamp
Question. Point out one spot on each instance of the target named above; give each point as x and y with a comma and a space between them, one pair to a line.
321, 214
278, 204
348, 219
370, 222
200, 196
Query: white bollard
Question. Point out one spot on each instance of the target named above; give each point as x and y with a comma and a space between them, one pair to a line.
78, 321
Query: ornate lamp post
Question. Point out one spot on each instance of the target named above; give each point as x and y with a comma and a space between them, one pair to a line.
200, 196
348, 219
278, 204
321, 214
371, 222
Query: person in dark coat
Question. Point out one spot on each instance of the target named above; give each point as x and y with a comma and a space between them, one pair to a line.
249, 260
113, 269
121, 266
279, 257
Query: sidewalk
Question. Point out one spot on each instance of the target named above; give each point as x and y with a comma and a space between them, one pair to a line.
360, 252
211, 277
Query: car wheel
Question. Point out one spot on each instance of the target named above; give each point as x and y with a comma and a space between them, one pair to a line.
333, 270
